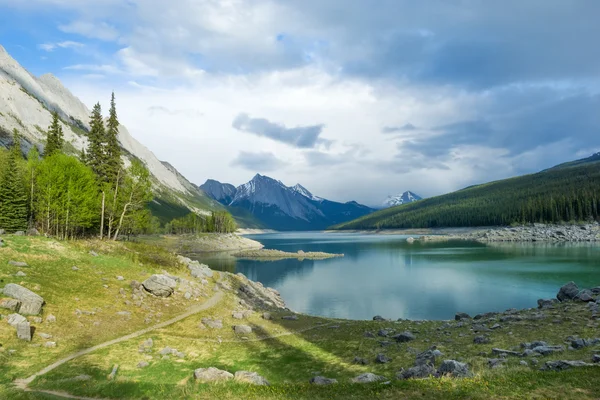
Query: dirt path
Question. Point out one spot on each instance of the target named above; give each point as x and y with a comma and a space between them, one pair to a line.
24, 383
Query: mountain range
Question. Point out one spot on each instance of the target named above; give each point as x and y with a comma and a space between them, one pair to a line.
27, 103
282, 207
404, 198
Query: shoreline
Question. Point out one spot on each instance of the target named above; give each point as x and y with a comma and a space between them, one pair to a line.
274, 255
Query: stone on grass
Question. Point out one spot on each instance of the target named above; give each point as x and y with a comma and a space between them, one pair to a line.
45, 335
460, 316
546, 350
250, 377
507, 352
31, 303
119, 278
586, 296
74, 268
50, 319
321, 380
10, 304
369, 334
50, 345
382, 358
568, 291
428, 357
200, 271
481, 340
93, 253
404, 337
378, 318
15, 319
160, 285
24, 331
212, 323
454, 368
18, 264
113, 373
368, 378
20, 274
242, 329
546, 303
417, 372
237, 315
361, 361
560, 365
266, 316
143, 364
596, 358
212, 374
524, 363
496, 362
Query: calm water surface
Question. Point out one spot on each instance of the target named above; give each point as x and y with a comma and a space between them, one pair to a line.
383, 274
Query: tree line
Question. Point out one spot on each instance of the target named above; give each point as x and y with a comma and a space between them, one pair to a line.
217, 221
568, 194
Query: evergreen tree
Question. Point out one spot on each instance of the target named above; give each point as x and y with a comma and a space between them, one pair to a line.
13, 197
55, 140
96, 152
113, 150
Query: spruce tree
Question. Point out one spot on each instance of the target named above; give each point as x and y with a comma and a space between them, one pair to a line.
55, 140
96, 152
113, 150
13, 196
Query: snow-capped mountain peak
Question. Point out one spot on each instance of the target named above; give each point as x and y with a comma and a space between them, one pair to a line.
404, 198
305, 192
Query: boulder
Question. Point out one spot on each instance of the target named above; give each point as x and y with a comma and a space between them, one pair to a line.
212, 323
33, 232
378, 318
454, 368
50, 319
568, 292
581, 343
31, 303
250, 377
50, 345
382, 358
321, 380
404, 337
596, 358
561, 365
481, 340
428, 357
546, 350
237, 315
266, 316
24, 330
143, 364
546, 303
20, 274
19, 233
160, 285
200, 271
18, 264
360, 361
242, 329
496, 362
410, 240
212, 374
368, 378
10, 304
460, 316
15, 319
417, 372
585, 296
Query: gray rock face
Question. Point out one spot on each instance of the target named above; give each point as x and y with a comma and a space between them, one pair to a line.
24, 331
586, 296
561, 365
546, 350
200, 271
160, 285
213, 323
454, 368
417, 372
368, 378
568, 292
18, 264
10, 304
427, 357
321, 380
460, 316
250, 377
31, 303
404, 337
242, 329
212, 374
581, 343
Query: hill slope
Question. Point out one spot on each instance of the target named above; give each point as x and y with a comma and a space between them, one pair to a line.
567, 192
26, 104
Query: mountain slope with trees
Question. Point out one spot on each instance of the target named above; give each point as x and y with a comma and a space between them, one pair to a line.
568, 192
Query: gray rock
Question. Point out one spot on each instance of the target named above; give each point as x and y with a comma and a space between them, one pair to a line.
546, 303
534, 344
382, 358
481, 340
495, 362
581, 343
417, 372
321, 380
523, 363
24, 331
383, 332
237, 315
10, 304
18, 264
546, 350
143, 364
93, 253
266, 316
561, 365
135, 285
596, 358
585, 296
360, 360
20, 274
368, 378
250, 377
427, 357
568, 291
507, 352
369, 334
123, 313
200, 271
404, 337
119, 278
454, 368
31, 303
460, 316
50, 319
45, 335
496, 326
378, 318
213, 323
50, 345
166, 351
37, 320
19, 233
160, 285
33, 232
15, 319
74, 268
212, 374
242, 329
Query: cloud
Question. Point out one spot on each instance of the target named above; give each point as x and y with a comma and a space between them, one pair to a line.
68, 44
258, 162
188, 112
301, 136
395, 129
93, 30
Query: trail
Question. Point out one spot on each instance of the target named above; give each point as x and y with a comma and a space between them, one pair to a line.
24, 383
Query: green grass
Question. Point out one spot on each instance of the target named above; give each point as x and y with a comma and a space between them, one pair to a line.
287, 353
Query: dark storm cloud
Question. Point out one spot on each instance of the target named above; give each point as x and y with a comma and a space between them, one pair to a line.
301, 136
258, 162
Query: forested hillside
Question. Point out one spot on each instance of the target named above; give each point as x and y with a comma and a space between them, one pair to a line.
568, 192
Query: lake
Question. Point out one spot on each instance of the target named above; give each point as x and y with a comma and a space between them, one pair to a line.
385, 275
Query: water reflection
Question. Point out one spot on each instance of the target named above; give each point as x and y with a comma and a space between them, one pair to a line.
386, 275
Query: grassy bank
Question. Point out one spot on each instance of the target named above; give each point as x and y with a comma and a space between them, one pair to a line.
286, 352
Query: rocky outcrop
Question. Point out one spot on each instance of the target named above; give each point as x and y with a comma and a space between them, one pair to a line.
160, 285
255, 294
31, 303
212, 374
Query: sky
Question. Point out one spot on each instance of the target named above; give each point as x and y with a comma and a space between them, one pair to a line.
354, 99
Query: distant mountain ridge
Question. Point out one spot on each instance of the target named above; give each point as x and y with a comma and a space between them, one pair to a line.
404, 198
283, 207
